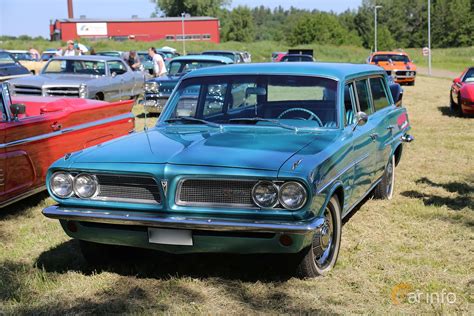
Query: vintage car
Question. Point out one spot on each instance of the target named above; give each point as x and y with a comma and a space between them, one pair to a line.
396, 64
26, 60
89, 77
158, 90
50, 53
273, 170
112, 53
462, 93
277, 56
236, 57
297, 58
10, 68
36, 131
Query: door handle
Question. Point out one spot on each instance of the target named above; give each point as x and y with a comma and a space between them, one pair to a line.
56, 126
391, 127
374, 136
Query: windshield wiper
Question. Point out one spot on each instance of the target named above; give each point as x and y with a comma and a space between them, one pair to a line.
261, 119
192, 120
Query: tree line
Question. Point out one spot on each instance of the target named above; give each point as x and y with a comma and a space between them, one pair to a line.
401, 23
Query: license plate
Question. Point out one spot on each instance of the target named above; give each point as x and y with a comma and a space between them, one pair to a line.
170, 236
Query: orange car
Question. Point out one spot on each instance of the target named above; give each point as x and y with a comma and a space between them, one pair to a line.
396, 64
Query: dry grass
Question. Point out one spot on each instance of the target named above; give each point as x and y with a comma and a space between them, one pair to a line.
423, 237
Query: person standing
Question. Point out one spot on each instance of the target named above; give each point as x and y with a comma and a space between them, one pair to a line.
70, 50
34, 53
132, 60
159, 67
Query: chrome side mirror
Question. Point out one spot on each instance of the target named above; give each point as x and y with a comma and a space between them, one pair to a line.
361, 119
113, 74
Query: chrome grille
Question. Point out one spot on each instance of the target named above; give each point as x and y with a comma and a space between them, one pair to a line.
126, 188
27, 90
210, 192
62, 91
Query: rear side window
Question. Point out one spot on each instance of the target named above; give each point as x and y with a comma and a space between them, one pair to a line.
379, 94
363, 96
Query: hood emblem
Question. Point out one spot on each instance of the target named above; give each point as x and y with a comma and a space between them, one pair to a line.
164, 185
296, 164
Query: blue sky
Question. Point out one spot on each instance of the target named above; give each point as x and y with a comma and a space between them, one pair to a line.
32, 17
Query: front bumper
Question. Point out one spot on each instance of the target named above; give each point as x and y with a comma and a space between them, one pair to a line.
153, 219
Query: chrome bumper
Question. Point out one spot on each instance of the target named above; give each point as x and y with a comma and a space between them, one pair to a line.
150, 219
155, 104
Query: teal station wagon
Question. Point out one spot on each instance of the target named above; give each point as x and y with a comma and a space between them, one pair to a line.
250, 158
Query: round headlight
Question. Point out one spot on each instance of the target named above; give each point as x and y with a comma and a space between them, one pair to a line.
265, 194
85, 186
292, 195
61, 184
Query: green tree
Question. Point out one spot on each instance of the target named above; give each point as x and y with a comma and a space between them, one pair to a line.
239, 26
193, 7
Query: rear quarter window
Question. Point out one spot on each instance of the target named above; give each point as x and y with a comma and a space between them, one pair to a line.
379, 93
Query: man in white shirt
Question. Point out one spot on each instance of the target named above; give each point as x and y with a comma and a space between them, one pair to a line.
70, 50
159, 67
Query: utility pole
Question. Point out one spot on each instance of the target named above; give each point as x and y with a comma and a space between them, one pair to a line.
429, 37
375, 25
182, 28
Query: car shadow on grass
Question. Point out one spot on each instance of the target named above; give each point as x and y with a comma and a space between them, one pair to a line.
21, 207
446, 111
144, 263
228, 275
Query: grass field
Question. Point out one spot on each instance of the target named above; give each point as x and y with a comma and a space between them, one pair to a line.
454, 59
420, 242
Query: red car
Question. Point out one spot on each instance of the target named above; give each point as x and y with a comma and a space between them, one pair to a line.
462, 93
36, 131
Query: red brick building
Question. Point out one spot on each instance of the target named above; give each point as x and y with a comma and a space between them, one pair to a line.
171, 29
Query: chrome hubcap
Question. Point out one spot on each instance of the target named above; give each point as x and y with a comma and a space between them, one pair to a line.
323, 242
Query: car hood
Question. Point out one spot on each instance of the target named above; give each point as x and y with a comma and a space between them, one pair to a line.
12, 70
396, 65
250, 148
50, 79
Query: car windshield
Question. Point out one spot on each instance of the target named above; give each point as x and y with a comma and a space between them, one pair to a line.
6, 58
297, 58
22, 56
277, 100
224, 54
469, 76
47, 56
144, 57
78, 67
392, 57
166, 54
178, 67
111, 54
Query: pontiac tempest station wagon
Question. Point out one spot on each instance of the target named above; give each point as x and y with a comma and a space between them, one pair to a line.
250, 158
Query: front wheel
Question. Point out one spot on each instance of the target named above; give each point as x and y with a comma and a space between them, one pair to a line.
322, 255
384, 190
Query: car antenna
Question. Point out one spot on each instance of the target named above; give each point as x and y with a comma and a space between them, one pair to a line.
145, 128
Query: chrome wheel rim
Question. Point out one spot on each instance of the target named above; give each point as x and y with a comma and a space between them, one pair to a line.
323, 243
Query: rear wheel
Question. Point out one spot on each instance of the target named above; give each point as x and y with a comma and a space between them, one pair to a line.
99, 96
322, 255
384, 190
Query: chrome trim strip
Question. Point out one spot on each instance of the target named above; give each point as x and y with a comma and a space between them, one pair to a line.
178, 202
154, 219
124, 200
67, 130
23, 196
344, 170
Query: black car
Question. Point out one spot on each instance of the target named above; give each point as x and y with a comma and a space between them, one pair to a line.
10, 68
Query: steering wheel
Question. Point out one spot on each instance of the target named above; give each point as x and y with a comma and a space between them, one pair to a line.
313, 116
